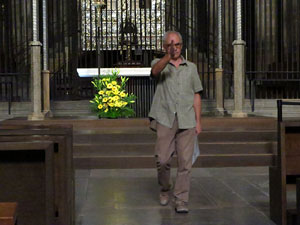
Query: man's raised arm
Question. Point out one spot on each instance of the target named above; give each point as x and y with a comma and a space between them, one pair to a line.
160, 65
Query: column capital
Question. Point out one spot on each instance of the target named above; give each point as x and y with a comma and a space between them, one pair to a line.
238, 42
35, 43
46, 72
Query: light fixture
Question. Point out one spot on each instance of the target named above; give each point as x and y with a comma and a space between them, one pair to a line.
99, 3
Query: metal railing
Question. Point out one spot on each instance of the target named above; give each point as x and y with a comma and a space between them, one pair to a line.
280, 103
14, 87
271, 33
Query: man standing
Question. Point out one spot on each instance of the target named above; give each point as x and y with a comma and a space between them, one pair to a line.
176, 116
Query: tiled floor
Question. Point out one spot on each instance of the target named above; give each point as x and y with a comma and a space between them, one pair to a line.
227, 196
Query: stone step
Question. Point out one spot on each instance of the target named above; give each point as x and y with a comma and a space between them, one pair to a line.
208, 123
146, 130
147, 149
205, 136
120, 162
129, 143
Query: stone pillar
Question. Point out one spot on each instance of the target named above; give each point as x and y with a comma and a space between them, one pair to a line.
35, 88
46, 93
239, 78
219, 92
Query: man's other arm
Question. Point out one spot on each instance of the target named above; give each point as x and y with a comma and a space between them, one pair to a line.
197, 108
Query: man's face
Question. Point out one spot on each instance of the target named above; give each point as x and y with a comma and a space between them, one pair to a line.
173, 45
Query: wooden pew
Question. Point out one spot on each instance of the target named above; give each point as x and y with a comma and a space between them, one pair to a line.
27, 177
287, 168
8, 213
62, 136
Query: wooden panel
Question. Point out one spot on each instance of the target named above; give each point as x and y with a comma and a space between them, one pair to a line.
287, 165
277, 192
26, 174
293, 165
292, 143
62, 136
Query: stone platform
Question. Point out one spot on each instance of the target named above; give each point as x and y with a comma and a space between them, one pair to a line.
219, 196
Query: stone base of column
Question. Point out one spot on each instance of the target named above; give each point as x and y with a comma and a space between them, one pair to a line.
220, 112
48, 113
36, 116
239, 114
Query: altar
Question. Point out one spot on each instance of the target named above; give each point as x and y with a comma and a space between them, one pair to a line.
126, 72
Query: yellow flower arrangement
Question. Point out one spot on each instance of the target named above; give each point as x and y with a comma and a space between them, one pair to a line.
111, 99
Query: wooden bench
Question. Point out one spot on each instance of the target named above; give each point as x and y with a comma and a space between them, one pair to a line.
62, 137
287, 168
8, 213
26, 174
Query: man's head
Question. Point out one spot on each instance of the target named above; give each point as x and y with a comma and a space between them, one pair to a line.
173, 44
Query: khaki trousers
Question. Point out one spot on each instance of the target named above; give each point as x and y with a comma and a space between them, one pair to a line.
169, 141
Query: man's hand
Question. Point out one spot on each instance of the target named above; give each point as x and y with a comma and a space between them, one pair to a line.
161, 64
171, 49
198, 129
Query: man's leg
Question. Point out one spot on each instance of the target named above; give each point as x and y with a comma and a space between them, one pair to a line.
164, 149
184, 148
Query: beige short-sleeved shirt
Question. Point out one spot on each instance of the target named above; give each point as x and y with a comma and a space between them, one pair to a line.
174, 94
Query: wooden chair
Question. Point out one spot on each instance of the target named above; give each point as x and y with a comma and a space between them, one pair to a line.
8, 213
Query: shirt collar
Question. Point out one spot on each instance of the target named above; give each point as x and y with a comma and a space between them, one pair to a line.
183, 62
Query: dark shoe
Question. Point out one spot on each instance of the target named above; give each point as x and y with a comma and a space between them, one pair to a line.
164, 198
181, 207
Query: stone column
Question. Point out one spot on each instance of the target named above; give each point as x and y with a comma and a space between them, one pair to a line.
219, 71
239, 65
35, 87
219, 92
46, 93
45, 72
239, 78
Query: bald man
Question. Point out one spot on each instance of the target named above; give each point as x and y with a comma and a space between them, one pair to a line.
176, 117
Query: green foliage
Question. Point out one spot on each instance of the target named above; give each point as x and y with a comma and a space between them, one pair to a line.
111, 99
